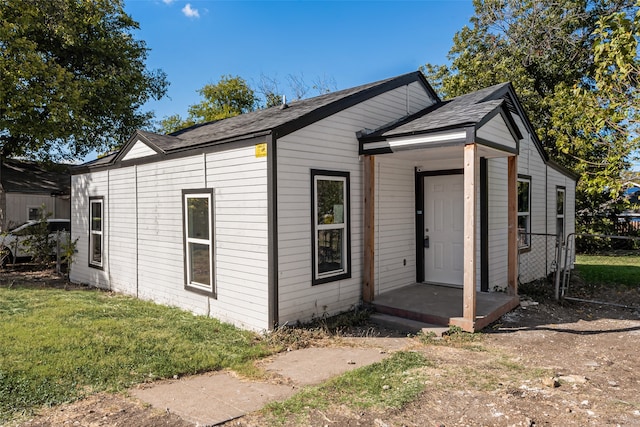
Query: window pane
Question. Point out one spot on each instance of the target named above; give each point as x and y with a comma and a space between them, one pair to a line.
523, 196
330, 251
198, 217
560, 203
199, 263
96, 245
330, 197
96, 216
34, 214
523, 230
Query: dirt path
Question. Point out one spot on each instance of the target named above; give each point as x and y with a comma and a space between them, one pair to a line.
546, 365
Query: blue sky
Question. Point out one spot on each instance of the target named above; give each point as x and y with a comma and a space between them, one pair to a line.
352, 42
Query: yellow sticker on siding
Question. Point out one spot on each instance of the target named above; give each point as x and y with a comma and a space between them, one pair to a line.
261, 150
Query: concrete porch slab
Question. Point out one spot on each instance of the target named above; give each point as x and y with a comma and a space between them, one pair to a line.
443, 305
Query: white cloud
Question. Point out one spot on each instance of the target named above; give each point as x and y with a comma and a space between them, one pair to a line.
168, 1
189, 12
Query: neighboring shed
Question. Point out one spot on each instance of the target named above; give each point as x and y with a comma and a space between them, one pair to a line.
26, 185
309, 209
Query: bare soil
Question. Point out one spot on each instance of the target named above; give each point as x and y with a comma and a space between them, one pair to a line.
544, 365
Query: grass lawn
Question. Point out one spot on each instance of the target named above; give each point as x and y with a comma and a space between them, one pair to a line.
392, 383
59, 345
609, 270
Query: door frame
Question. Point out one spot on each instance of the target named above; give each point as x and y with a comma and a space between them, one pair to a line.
484, 220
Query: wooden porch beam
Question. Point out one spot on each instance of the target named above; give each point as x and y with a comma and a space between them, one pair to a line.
369, 229
471, 167
512, 232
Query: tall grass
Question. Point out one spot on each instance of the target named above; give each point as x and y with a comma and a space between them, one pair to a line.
57, 345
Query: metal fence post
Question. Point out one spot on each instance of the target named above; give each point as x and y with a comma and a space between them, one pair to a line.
58, 269
559, 266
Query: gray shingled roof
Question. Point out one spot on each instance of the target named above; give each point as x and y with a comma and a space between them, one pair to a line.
260, 121
447, 116
22, 176
460, 111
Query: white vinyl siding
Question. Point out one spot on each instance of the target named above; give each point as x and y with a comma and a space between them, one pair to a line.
395, 240
139, 149
145, 228
497, 223
122, 213
329, 144
537, 261
496, 130
84, 187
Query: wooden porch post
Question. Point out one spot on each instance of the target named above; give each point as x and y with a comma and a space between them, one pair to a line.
471, 166
369, 229
512, 233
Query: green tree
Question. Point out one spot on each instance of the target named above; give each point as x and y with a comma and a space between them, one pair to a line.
554, 54
72, 77
229, 97
596, 120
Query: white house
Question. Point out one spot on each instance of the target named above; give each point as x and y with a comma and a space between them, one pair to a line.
311, 208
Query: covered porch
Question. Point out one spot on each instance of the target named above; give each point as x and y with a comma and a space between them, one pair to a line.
452, 141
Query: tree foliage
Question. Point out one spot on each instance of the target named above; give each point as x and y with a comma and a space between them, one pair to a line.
596, 120
574, 65
72, 77
229, 97
232, 95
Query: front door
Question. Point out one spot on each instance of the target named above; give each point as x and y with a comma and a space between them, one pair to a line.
443, 229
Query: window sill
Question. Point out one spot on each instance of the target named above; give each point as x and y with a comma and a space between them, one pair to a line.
208, 292
328, 279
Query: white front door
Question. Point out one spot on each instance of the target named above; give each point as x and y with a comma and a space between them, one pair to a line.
443, 222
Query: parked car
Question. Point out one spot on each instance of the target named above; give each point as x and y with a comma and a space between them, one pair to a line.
12, 245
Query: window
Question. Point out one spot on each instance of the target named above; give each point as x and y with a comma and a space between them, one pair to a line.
96, 225
33, 213
331, 227
524, 213
198, 240
560, 203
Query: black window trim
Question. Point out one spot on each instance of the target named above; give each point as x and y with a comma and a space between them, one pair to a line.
526, 178
564, 210
189, 286
347, 216
92, 264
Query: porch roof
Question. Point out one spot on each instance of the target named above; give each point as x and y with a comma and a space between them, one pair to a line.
455, 122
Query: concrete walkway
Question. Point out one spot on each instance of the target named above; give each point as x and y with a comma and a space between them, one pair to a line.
215, 398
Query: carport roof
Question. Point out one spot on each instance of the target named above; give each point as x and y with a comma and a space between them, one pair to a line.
23, 176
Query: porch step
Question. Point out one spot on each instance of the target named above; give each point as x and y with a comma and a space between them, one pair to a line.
407, 325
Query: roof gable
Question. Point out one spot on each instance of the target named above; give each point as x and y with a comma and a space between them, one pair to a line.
138, 149
471, 110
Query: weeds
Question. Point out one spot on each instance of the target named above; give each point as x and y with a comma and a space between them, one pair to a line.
454, 337
304, 335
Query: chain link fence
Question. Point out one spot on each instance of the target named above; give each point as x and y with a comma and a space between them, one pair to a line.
602, 269
538, 257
